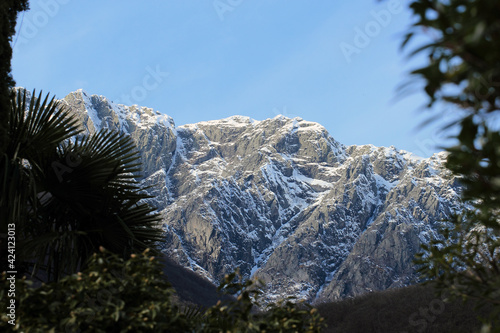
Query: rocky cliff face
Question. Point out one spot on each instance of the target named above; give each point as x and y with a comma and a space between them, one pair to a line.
282, 200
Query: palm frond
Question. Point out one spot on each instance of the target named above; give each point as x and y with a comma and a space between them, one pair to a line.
34, 130
71, 194
97, 196
37, 127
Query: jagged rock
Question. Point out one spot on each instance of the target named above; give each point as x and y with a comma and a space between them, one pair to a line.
282, 200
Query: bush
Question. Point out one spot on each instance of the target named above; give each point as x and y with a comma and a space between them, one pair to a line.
116, 295
111, 295
242, 315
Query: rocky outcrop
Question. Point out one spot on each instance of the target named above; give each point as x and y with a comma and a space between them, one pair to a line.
282, 200
153, 132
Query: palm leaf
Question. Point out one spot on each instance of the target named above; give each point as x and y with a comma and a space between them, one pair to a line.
90, 198
34, 129
37, 127
99, 197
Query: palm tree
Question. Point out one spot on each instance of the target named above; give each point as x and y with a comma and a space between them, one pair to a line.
74, 192
32, 134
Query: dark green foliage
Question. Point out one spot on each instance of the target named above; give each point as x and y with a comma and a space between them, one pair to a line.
287, 316
242, 315
113, 295
463, 52
464, 70
9, 10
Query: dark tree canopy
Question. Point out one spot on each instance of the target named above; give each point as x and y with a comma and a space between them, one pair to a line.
463, 70
9, 10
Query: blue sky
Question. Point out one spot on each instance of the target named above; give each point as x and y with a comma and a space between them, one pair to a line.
334, 62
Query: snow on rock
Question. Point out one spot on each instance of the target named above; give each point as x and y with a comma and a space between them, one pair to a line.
282, 200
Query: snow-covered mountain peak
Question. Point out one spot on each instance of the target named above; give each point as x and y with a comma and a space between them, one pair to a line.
296, 123
99, 112
233, 121
282, 200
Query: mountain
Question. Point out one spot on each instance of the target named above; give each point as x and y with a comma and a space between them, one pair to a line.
282, 200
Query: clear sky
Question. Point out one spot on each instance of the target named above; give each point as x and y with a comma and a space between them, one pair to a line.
329, 61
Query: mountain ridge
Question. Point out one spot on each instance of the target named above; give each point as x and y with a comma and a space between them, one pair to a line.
282, 200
